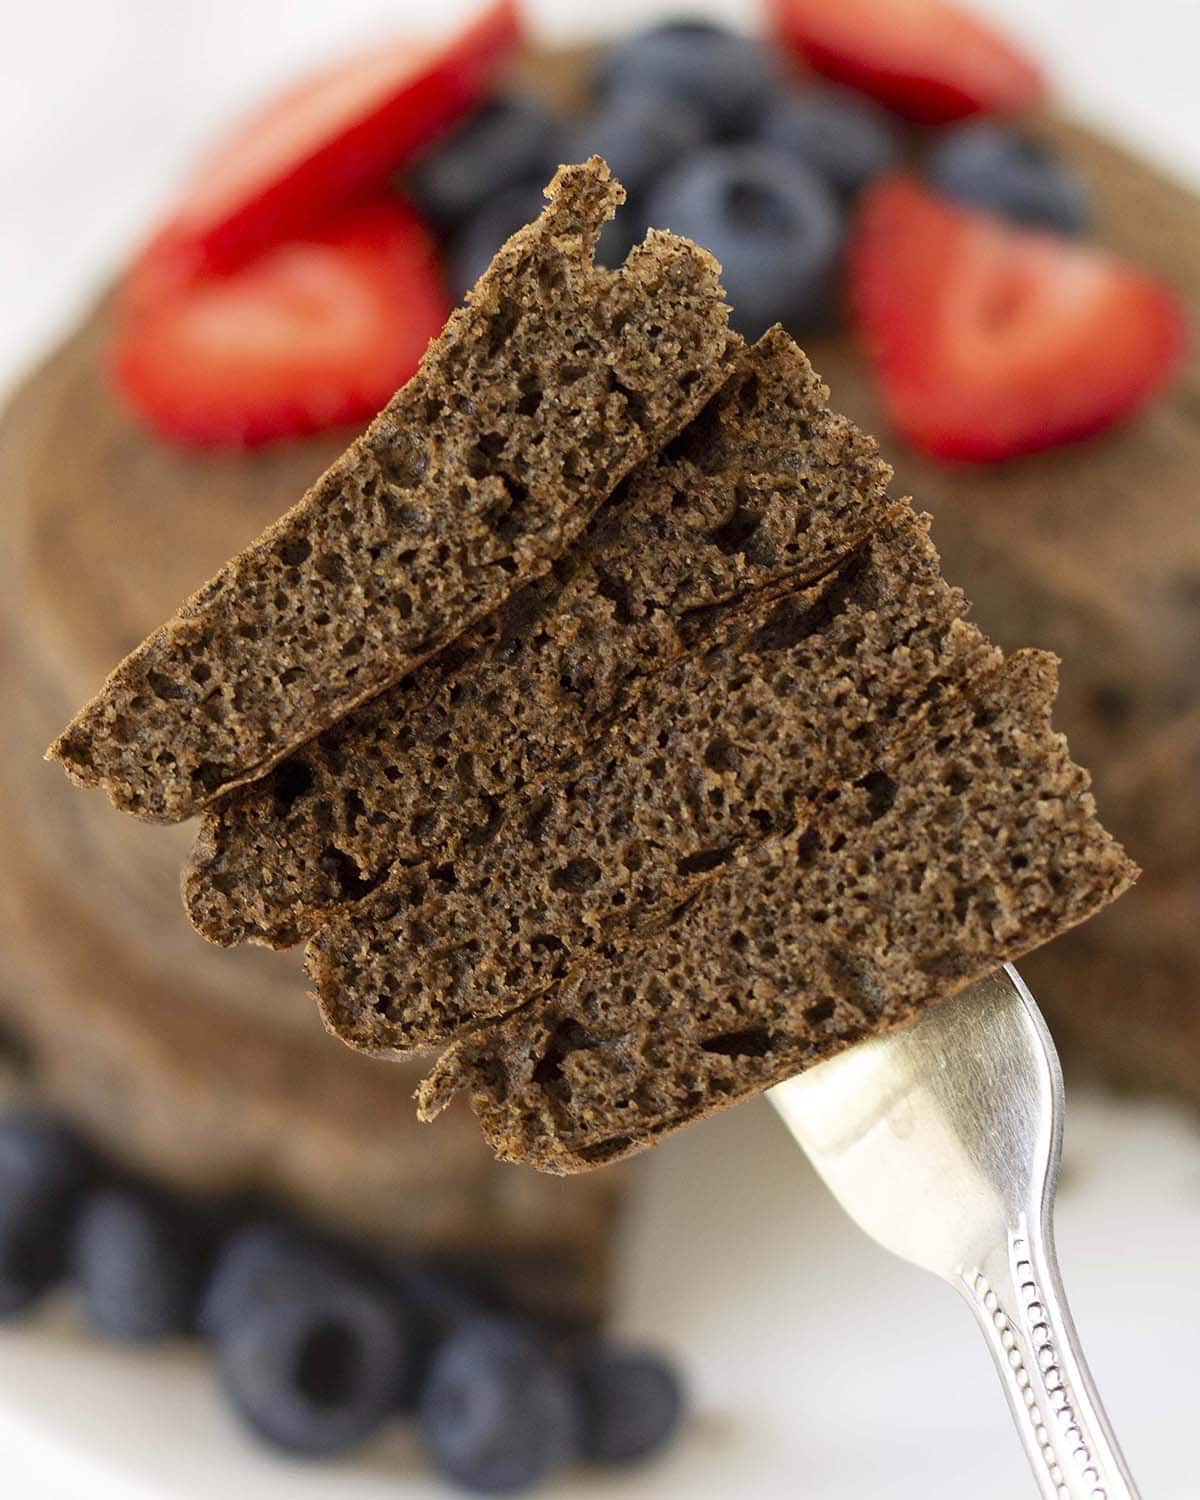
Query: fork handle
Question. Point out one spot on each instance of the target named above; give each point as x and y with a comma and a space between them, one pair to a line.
1017, 1296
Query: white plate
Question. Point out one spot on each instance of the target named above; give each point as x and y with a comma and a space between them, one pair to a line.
820, 1366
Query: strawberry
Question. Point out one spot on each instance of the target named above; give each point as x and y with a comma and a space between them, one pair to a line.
320, 145
925, 59
990, 340
315, 332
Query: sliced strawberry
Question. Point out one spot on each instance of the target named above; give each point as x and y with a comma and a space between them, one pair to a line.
989, 341
322, 143
315, 332
925, 59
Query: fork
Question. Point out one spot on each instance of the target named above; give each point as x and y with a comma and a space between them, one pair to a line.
942, 1140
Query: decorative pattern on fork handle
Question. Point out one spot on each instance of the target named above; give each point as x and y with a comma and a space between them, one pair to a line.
1030, 1348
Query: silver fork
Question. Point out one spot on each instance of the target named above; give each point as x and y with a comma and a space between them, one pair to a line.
942, 1140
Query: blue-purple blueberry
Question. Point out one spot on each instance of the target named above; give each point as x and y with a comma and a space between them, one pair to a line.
319, 1369
619, 235
724, 75
843, 137
775, 227
993, 168
632, 1404
498, 1412
268, 1264
443, 1291
43, 1172
638, 135
510, 139
137, 1264
262, 1260
471, 249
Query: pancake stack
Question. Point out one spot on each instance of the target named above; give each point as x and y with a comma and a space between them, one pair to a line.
210, 1069
206, 1069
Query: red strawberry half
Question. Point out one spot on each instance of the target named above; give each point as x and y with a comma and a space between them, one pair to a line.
925, 59
990, 341
321, 144
315, 332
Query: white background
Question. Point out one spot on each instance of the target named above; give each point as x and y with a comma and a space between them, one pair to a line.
822, 1368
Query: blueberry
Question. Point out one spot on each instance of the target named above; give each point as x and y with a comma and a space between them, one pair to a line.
268, 1259
619, 236
724, 75
773, 225
498, 1413
137, 1264
258, 1262
843, 137
510, 139
41, 1154
43, 1171
318, 1369
995, 169
638, 135
443, 1292
632, 1404
481, 236
266, 1266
